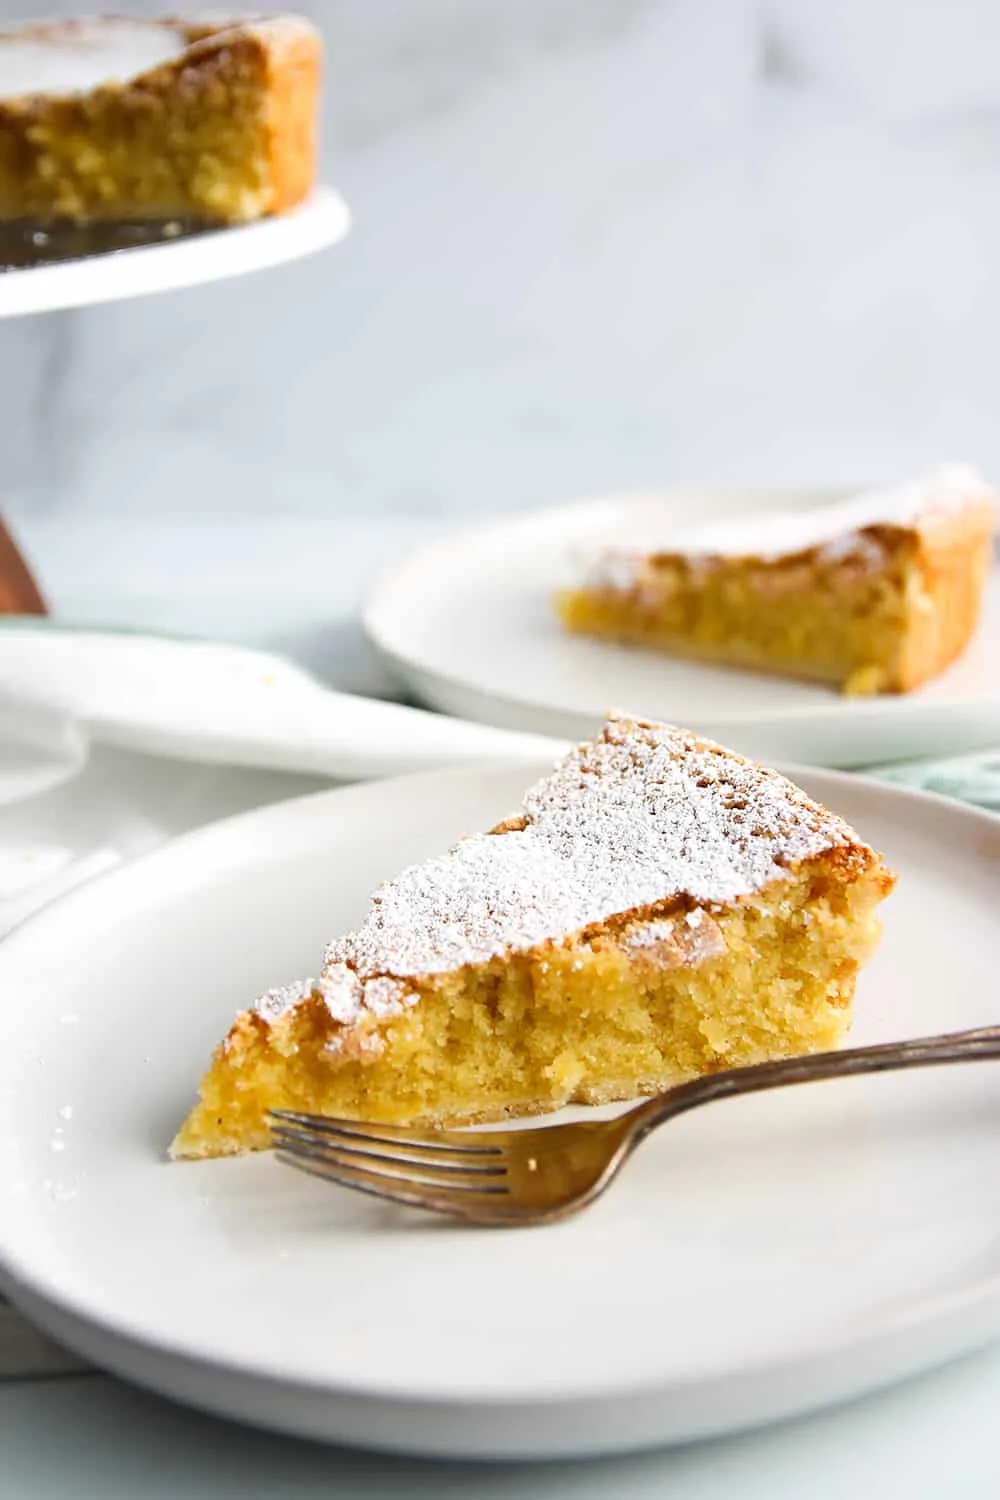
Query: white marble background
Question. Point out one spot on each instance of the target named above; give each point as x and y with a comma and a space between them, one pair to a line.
598, 243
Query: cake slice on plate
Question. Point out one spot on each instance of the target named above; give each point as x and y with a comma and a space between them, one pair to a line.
114, 119
875, 593
658, 908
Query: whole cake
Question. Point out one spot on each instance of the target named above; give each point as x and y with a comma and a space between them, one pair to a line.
658, 908
114, 119
876, 593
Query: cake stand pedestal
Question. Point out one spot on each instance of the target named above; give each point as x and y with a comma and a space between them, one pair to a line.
192, 259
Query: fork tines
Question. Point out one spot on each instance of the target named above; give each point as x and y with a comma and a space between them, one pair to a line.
433, 1169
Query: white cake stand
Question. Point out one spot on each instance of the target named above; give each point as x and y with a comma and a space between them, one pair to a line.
215, 255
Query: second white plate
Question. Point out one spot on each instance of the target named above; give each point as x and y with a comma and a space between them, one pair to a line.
468, 625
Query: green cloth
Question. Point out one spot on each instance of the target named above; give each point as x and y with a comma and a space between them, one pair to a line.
970, 778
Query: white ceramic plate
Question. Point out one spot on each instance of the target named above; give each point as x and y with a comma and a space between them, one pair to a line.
756, 1259
468, 625
321, 220
111, 806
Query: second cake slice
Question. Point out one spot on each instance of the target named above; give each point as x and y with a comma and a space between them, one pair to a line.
876, 593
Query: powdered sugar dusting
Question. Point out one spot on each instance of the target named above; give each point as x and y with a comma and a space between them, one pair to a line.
339, 988
70, 57
650, 934
273, 1003
674, 941
643, 814
385, 996
64, 59
837, 529
342, 991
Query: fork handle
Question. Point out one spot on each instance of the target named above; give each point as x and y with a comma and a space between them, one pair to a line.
925, 1052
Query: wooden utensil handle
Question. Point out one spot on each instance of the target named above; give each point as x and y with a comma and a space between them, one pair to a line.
19, 593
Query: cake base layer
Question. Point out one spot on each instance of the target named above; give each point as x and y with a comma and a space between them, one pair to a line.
670, 994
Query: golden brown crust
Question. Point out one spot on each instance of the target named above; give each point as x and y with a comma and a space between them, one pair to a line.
294, 77
225, 131
949, 567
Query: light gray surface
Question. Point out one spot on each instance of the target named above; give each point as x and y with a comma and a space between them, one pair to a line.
93, 1439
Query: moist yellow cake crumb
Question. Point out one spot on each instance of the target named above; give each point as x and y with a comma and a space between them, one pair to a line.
660, 909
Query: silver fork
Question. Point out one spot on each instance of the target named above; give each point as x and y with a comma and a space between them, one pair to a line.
510, 1177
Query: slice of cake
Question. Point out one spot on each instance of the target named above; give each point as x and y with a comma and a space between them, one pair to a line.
659, 908
876, 593
116, 119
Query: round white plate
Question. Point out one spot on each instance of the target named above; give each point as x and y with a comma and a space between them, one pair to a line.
756, 1259
321, 220
468, 625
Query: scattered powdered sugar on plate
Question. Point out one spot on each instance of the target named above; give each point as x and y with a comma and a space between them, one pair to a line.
644, 813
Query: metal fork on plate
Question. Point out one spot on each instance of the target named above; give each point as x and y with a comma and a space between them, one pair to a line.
511, 1177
